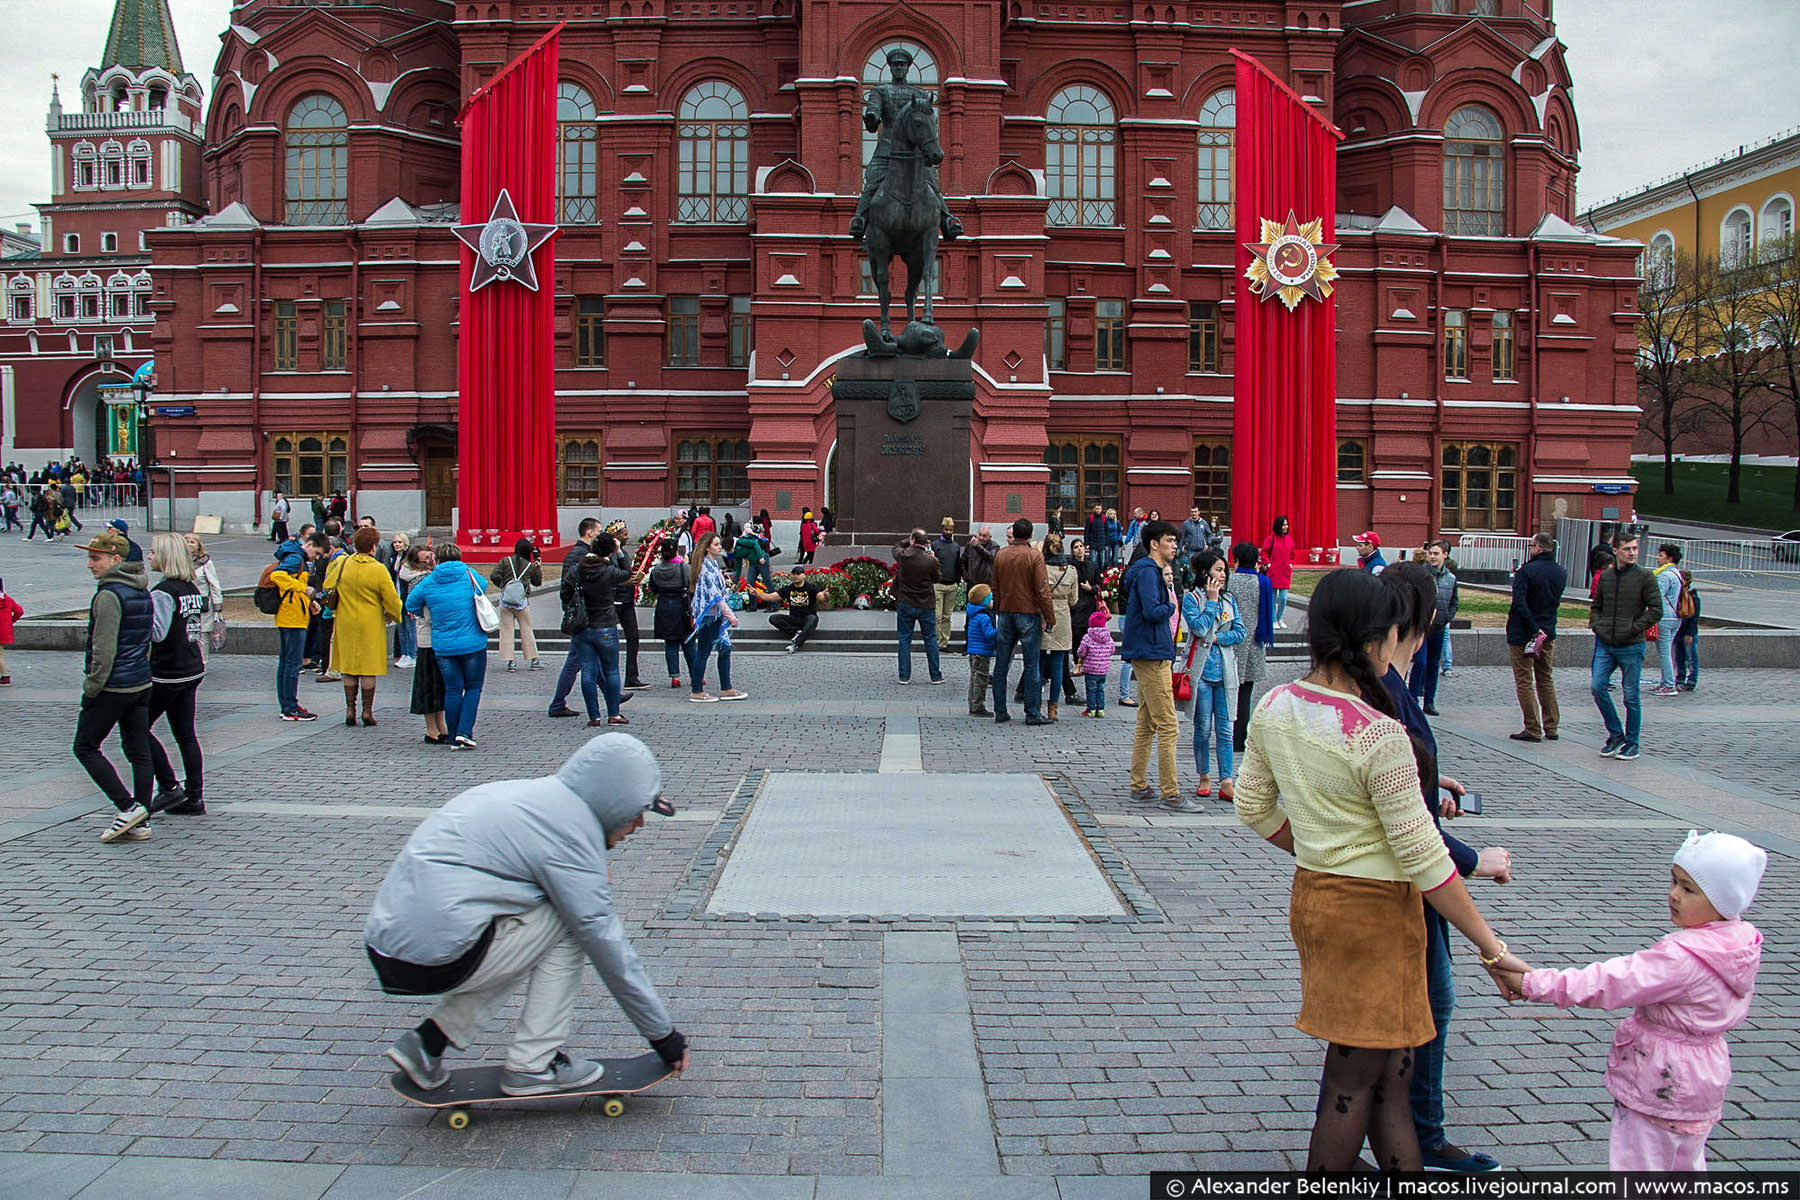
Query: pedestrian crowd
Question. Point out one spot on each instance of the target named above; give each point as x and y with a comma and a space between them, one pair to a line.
1340, 769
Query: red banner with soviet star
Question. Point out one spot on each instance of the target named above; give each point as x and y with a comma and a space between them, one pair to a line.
506, 406
1284, 434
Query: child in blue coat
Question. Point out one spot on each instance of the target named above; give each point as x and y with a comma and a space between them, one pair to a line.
980, 633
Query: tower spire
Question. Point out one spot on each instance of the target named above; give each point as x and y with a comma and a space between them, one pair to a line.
142, 35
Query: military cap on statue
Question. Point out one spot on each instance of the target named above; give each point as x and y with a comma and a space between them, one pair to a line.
900, 54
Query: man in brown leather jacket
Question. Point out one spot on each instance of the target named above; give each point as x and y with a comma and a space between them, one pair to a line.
1022, 611
915, 602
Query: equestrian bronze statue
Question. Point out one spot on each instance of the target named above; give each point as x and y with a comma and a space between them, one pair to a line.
901, 211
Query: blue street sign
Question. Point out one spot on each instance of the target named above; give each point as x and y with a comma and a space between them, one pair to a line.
1612, 489
175, 410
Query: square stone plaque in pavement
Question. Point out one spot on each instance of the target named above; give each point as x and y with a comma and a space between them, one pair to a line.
942, 845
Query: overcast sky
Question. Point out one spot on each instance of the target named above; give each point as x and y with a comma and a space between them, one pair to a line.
1660, 85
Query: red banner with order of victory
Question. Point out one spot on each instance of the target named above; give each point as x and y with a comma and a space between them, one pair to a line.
1284, 443
506, 408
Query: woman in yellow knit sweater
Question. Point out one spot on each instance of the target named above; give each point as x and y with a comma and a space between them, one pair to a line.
1329, 776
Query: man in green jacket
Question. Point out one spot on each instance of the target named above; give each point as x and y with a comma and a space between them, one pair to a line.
1627, 603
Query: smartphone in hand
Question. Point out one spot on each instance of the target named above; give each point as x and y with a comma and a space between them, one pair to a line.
1468, 802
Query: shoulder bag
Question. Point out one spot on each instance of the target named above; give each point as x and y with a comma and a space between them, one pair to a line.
486, 615
1181, 682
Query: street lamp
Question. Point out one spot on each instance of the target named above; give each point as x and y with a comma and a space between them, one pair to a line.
143, 382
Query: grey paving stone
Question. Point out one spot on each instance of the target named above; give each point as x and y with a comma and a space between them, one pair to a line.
936, 1127
180, 1179
50, 1176
386, 1183
938, 1188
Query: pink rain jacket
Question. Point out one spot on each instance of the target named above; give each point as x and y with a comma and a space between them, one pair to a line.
1669, 1058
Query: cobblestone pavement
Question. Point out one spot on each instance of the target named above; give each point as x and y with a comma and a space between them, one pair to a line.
205, 995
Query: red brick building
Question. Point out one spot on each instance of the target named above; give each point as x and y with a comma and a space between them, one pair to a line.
77, 308
711, 153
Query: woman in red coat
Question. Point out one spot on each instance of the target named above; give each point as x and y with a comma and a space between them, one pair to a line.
9, 612
1278, 553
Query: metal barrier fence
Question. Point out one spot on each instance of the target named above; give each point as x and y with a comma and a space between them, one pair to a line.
98, 503
1491, 552
1716, 556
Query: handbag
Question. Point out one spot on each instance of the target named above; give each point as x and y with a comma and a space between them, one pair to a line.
1181, 682
575, 613
486, 615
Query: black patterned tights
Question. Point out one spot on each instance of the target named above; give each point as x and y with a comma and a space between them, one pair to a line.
1364, 1095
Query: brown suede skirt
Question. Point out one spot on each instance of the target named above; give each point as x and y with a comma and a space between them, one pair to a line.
1362, 961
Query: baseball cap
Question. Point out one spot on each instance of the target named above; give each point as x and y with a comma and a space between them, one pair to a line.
1369, 536
119, 525
108, 542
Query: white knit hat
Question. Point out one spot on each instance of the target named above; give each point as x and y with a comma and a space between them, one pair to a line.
1726, 867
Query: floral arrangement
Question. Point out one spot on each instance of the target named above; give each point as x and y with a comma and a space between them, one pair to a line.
867, 574
840, 586
884, 596
1109, 588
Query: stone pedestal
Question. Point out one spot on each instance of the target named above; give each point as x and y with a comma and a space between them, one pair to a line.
903, 442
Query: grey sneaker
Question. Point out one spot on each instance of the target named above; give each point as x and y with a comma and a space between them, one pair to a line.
1181, 804
1612, 747
425, 1070
561, 1075
1144, 795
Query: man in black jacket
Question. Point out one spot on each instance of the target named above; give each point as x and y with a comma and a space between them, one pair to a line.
585, 533
949, 560
626, 601
1531, 638
1627, 603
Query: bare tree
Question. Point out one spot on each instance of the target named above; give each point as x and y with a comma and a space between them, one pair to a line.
1779, 330
1733, 370
1668, 338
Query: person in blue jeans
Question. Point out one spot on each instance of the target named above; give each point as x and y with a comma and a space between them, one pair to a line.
1687, 645
1416, 589
1022, 608
1668, 628
1627, 602
1213, 624
457, 639
708, 610
598, 579
915, 574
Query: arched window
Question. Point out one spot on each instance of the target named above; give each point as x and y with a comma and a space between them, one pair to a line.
713, 149
1659, 260
577, 155
318, 162
112, 165
924, 73
1474, 173
1079, 142
137, 165
1734, 238
1218, 129
1776, 225
21, 300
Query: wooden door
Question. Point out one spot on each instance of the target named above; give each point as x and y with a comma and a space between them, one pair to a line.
440, 485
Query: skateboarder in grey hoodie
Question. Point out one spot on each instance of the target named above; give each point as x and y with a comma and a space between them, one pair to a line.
507, 884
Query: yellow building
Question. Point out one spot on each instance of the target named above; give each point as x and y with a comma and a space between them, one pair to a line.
1724, 208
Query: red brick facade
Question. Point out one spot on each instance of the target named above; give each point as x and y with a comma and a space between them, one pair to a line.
712, 315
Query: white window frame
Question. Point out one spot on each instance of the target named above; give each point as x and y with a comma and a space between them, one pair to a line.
1735, 252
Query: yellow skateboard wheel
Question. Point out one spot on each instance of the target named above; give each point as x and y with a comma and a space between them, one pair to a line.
459, 1118
613, 1106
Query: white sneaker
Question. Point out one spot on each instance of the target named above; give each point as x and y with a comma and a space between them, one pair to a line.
125, 822
138, 833
404, 661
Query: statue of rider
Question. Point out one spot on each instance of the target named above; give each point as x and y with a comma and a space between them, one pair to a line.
881, 106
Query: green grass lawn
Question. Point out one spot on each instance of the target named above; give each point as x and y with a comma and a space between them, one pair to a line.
1767, 495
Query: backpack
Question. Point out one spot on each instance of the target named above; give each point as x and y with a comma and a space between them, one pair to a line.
1684, 603
267, 597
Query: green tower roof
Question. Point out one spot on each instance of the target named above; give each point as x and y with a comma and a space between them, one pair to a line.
142, 35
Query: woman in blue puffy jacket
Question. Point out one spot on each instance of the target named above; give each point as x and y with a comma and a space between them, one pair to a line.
457, 639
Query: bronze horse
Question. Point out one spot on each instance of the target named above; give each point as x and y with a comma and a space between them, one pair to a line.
903, 215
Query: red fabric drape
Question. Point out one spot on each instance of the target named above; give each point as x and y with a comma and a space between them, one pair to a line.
1284, 444
506, 407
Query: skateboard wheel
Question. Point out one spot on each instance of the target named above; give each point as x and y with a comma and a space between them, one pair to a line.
613, 1107
459, 1118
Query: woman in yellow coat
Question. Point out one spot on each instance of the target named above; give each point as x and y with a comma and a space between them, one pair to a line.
366, 605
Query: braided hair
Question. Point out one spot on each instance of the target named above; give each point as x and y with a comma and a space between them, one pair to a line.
1349, 609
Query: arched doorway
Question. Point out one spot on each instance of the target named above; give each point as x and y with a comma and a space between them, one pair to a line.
88, 419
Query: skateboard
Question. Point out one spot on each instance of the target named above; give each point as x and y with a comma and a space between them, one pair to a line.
481, 1085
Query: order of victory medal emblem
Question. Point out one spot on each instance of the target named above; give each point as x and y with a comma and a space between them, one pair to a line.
1290, 261
504, 246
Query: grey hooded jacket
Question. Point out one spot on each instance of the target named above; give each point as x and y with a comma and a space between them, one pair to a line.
501, 848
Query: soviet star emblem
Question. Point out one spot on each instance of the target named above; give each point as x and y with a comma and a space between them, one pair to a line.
1290, 261
504, 246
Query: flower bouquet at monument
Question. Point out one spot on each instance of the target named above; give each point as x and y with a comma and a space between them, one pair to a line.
867, 574
1109, 587
840, 587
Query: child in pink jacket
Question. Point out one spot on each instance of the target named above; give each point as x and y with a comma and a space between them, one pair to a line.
1095, 655
9, 612
1669, 1065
